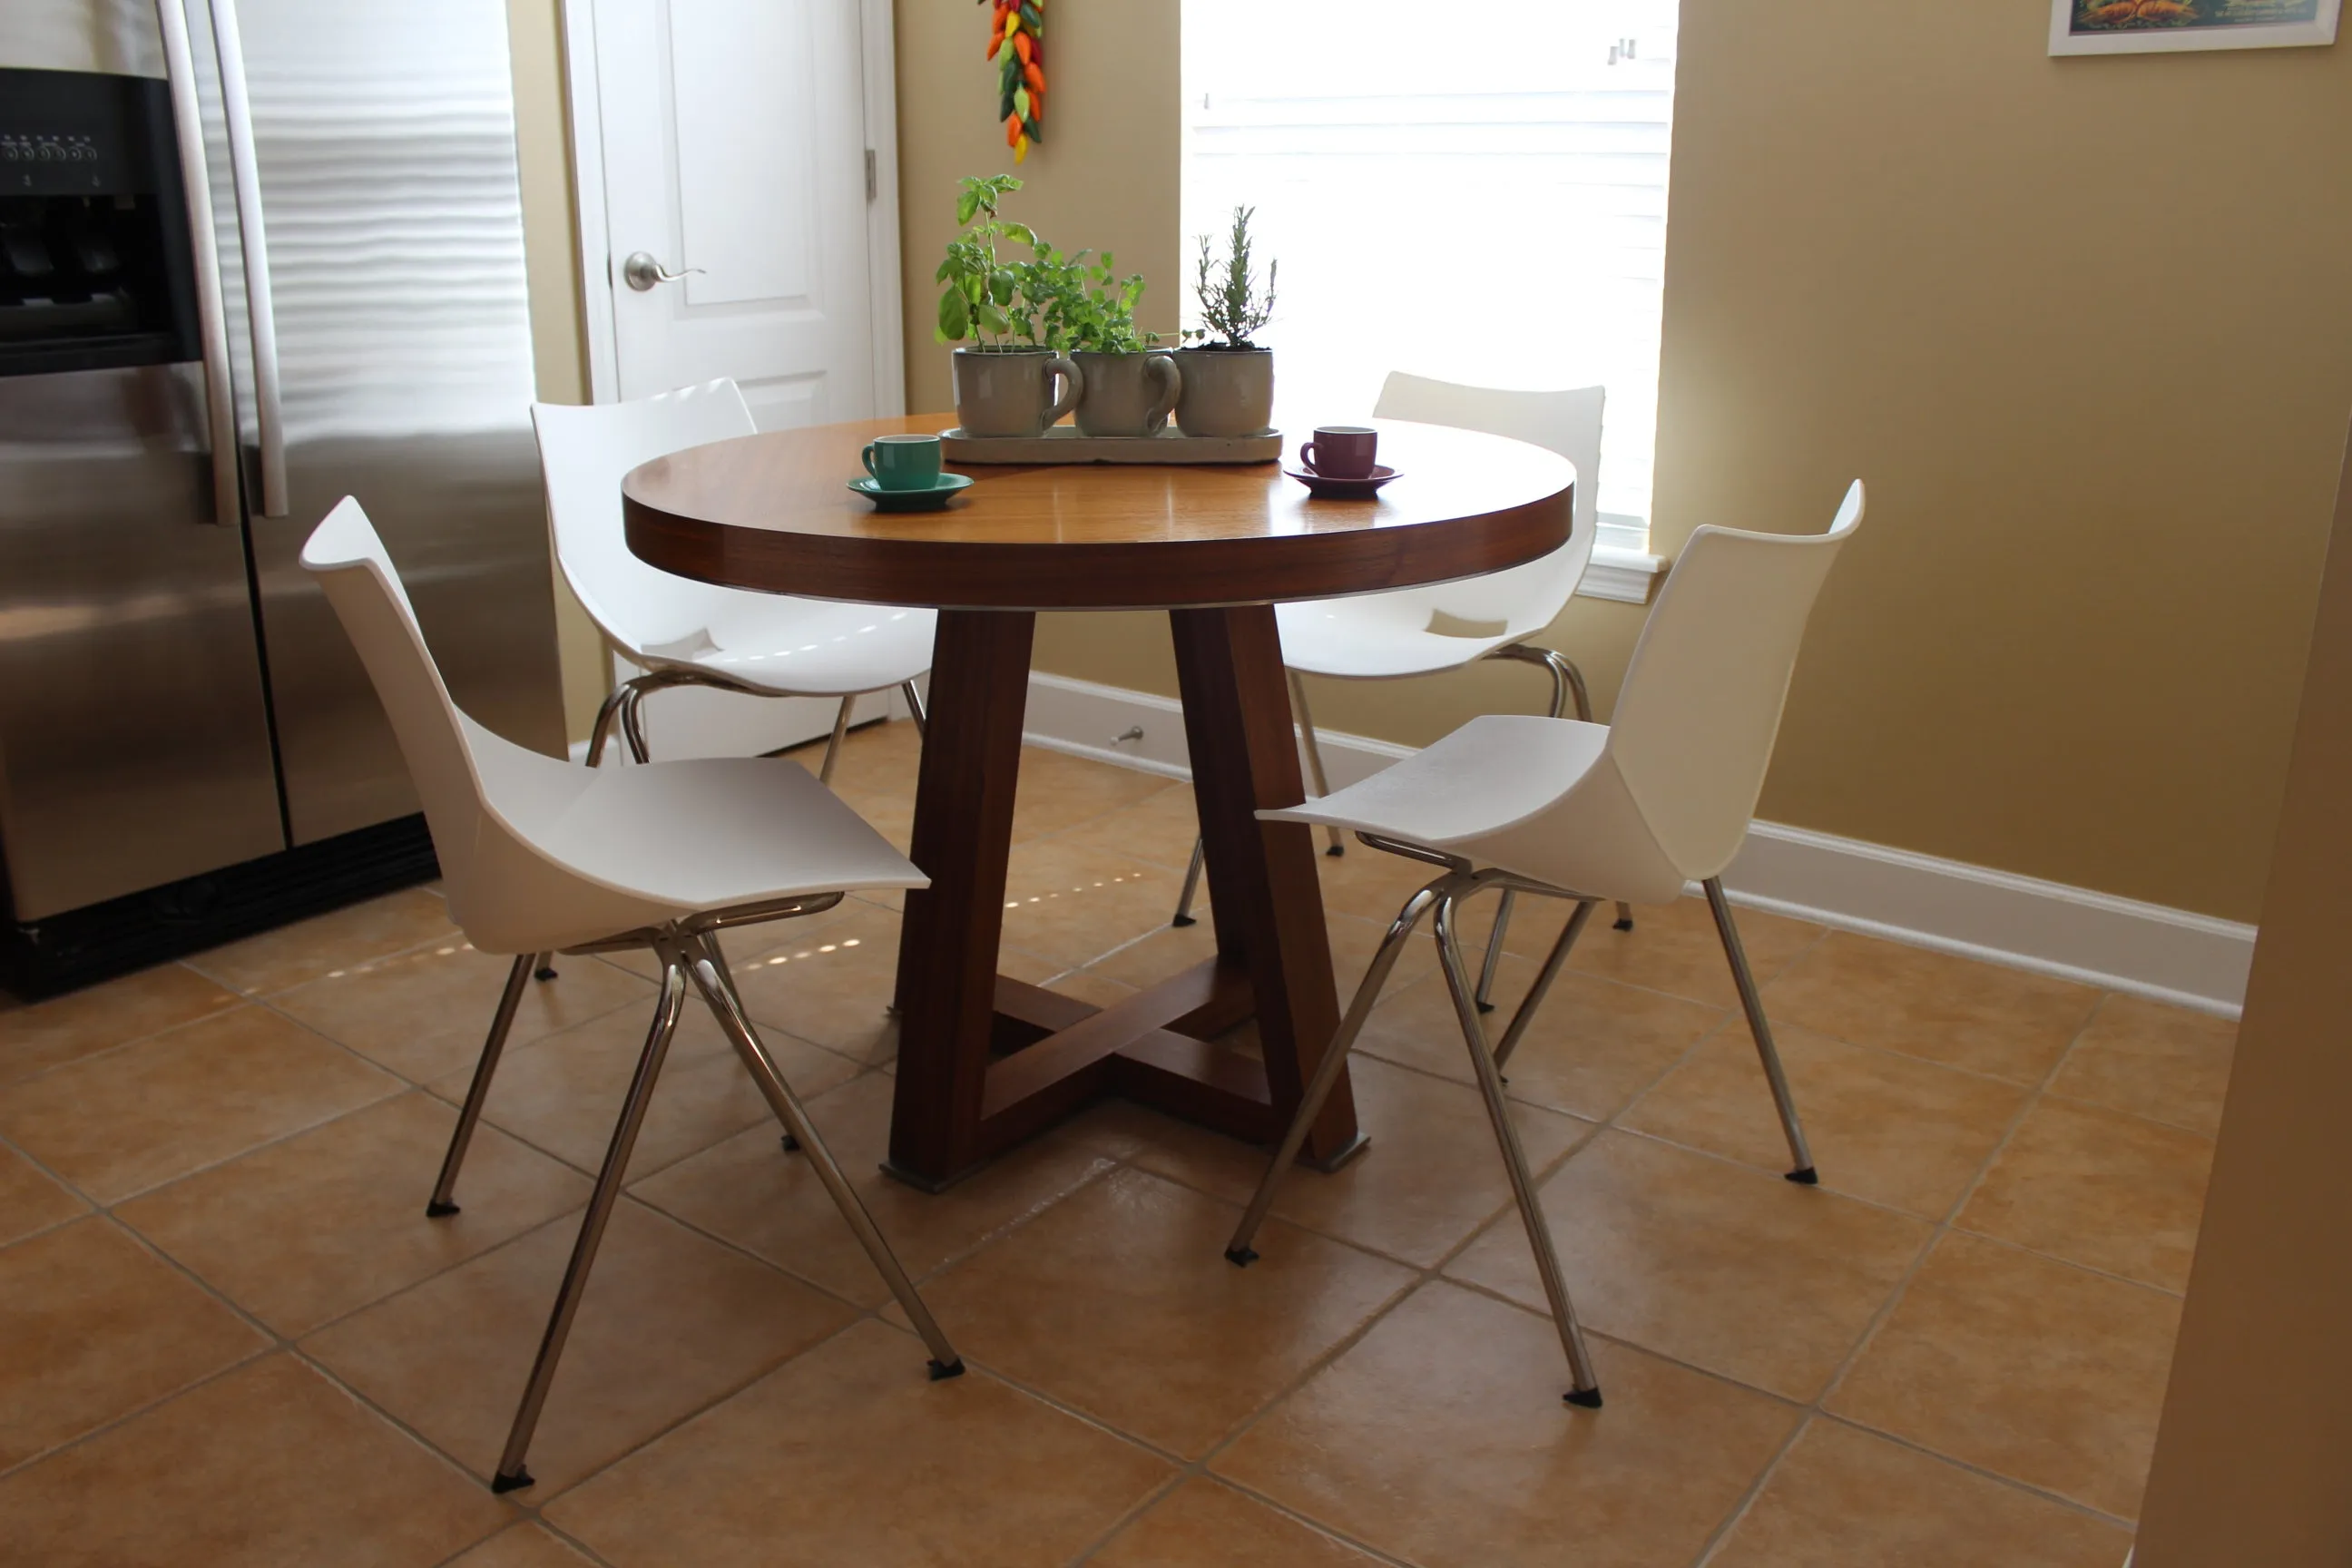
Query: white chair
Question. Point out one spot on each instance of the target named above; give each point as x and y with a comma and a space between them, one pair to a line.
1634, 810
538, 854
1444, 625
684, 632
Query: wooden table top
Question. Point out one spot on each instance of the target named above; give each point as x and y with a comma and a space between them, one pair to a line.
771, 512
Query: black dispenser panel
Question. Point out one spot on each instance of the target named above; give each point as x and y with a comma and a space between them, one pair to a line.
95, 267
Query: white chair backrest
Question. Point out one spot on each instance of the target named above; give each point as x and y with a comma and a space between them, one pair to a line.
1700, 708
583, 452
1527, 598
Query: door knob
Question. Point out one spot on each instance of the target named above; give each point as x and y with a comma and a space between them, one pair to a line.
641, 271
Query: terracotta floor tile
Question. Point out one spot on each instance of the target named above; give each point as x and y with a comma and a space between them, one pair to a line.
524, 1546
29, 1200
875, 759
2022, 1366
345, 938
749, 1192
1074, 905
1845, 1498
670, 1321
309, 1229
1672, 947
1159, 827
1889, 1128
1086, 986
271, 1467
1729, 1269
849, 1455
1119, 1300
424, 1012
66, 1029
1592, 1047
1057, 791
1373, 885
1204, 1525
92, 1326
1163, 953
1431, 1176
149, 1112
829, 983
2164, 1063
1440, 1437
2002, 1022
562, 1093
1353, 943
2100, 1188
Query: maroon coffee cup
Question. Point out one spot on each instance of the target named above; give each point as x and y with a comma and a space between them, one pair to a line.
1342, 451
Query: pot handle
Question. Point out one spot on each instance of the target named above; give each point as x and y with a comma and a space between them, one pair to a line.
1074, 387
1165, 366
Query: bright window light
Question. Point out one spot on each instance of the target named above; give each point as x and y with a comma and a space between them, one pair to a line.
1476, 193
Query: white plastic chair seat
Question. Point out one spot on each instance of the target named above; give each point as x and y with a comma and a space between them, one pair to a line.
805, 647
1381, 636
1537, 796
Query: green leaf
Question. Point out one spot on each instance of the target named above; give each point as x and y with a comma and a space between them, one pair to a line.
966, 205
1000, 286
994, 320
1021, 232
955, 319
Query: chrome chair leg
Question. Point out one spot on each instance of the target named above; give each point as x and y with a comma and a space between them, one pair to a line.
1327, 1071
1338, 845
511, 1472
633, 724
1553, 963
608, 715
717, 990
1585, 1388
1494, 950
717, 956
832, 746
914, 707
1191, 883
1752, 1005
478, 1093
543, 966
1568, 689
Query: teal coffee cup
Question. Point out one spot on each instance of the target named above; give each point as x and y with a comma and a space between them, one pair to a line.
904, 462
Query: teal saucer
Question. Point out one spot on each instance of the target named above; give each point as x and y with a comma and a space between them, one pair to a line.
931, 500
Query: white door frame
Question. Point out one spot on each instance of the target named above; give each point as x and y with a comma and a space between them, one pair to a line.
879, 57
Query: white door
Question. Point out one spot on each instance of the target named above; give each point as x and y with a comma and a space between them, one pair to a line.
735, 155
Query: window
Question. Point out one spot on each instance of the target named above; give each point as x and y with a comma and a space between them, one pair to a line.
1476, 192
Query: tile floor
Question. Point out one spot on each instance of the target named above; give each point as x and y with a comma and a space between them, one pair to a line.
228, 1335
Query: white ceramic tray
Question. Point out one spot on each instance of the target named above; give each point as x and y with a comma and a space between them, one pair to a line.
1062, 444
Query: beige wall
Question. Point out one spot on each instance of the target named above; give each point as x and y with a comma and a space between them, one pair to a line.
2250, 1458
550, 220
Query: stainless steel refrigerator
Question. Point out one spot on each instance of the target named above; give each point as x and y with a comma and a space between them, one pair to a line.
255, 255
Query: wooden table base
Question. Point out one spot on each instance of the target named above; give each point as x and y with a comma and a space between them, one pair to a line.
984, 1061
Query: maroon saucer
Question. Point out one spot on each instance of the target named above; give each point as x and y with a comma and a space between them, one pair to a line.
1331, 486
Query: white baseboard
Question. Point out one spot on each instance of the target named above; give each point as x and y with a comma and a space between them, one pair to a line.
2165, 955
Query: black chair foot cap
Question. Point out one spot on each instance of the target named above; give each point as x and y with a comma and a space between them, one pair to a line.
942, 1370
545, 971
1625, 924
1583, 1398
516, 1482
1336, 850
1241, 1257
1486, 1006
791, 1144
1808, 1177
439, 1210
1184, 921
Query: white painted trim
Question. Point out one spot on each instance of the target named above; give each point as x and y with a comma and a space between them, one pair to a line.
2170, 955
1625, 575
878, 51
584, 108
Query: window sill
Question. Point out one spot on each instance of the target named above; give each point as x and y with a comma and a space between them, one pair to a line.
1625, 575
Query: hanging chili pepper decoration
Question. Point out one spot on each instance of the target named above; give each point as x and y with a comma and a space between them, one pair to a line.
1016, 42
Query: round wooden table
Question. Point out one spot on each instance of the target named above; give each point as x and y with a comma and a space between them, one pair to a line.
985, 1061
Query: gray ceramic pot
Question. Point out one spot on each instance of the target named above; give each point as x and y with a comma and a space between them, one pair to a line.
1227, 392
1010, 392
1126, 394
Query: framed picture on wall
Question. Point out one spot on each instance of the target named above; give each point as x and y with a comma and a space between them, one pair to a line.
2152, 27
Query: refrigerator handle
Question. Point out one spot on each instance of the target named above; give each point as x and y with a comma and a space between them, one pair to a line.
244, 168
212, 316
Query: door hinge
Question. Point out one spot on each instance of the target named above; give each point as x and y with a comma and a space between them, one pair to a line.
873, 178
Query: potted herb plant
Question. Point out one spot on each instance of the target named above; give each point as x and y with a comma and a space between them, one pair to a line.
1003, 379
1128, 385
1229, 382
